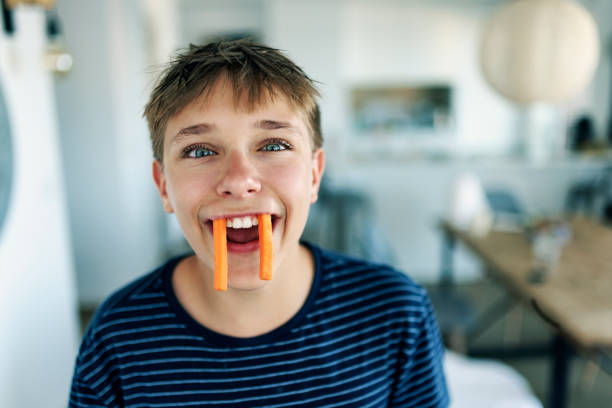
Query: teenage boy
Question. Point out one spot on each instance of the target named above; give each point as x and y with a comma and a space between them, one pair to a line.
235, 130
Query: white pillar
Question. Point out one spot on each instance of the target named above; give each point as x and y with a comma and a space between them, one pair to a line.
38, 318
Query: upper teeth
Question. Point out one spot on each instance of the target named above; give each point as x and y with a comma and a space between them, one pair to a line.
241, 222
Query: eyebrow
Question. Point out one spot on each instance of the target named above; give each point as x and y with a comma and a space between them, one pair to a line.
273, 124
198, 129
202, 128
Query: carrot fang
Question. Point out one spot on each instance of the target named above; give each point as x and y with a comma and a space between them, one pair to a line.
220, 239
265, 246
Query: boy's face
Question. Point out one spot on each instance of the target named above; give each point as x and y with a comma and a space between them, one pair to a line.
222, 161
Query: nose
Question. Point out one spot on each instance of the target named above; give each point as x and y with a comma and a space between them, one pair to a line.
239, 178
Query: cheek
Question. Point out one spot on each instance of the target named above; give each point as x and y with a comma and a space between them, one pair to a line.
186, 192
292, 184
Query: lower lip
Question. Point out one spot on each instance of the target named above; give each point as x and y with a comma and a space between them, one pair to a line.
243, 248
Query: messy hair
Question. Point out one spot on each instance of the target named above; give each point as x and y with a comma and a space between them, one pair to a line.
255, 72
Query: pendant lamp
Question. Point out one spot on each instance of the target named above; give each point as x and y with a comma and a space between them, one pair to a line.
540, 50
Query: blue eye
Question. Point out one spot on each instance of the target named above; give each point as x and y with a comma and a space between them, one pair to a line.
196, 152
275, 146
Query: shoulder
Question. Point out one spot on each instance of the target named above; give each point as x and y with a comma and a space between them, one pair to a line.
369, 286
122, 321
128, 293
126, 304
339, 269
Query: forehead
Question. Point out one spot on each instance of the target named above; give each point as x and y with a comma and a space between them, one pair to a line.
218, 110
221, 104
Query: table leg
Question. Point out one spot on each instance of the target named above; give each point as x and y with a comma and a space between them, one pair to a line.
561, 355
446, 259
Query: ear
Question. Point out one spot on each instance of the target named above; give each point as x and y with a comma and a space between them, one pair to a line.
318, 166
160, 182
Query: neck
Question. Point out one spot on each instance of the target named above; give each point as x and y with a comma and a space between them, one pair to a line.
246, 313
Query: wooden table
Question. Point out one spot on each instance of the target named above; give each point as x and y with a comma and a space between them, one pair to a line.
576, 297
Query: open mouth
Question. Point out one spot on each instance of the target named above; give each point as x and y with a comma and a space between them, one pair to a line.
243, 232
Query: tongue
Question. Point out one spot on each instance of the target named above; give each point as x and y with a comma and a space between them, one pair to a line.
242, 235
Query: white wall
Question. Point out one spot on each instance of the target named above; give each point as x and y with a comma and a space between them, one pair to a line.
203, 19
596, 98
420, 43
114, 209
311, 33
116, 219
38, 317
356, 43
359, 42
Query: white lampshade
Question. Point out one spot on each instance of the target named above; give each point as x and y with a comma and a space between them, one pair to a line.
540, 50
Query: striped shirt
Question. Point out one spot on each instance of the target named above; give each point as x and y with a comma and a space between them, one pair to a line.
366, 336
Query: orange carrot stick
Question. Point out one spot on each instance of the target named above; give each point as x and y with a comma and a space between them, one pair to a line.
220, 239
265, 246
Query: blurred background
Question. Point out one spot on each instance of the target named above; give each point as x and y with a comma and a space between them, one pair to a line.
419, 98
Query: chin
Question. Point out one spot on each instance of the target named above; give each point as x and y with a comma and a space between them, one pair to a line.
245, 279
246, 285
